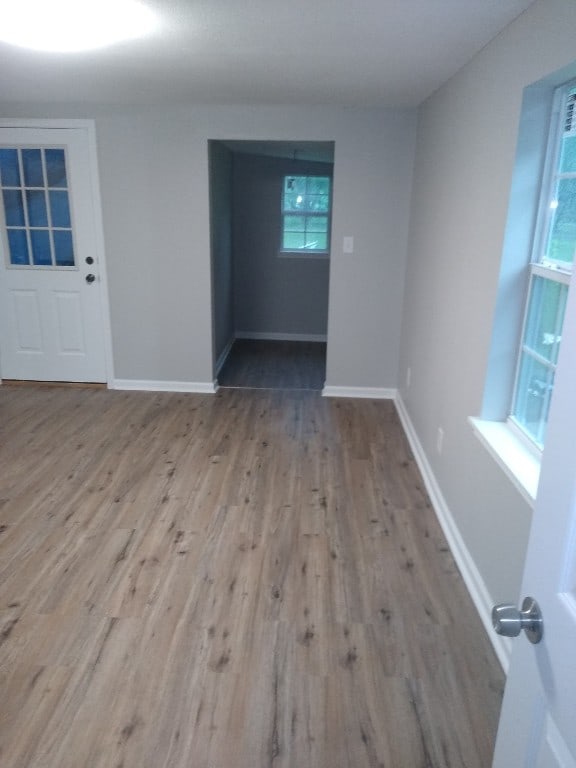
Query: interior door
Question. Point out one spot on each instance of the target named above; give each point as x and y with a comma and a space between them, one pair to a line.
51, 319
538, 721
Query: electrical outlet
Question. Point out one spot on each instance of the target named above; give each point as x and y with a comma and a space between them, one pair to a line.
439, 439
408, 377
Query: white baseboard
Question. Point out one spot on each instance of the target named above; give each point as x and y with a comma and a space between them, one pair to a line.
470, 573
373, 393
280, 336
222, 357
145, 385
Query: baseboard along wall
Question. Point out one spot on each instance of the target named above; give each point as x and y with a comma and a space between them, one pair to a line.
371, 393
464, 560
145, 385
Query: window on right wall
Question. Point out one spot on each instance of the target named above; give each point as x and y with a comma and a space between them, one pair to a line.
549, 275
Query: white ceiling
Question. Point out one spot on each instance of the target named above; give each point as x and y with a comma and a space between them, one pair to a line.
346, 52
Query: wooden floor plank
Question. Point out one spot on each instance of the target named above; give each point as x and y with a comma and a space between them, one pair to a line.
265, 364
245, 580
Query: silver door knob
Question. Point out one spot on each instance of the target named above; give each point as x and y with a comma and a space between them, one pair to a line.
507, 620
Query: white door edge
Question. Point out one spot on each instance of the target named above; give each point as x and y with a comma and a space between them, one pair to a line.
89, 127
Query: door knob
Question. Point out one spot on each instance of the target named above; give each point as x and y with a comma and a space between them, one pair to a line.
507, 620
90, 278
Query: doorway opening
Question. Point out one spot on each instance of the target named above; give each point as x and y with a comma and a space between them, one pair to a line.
270, 222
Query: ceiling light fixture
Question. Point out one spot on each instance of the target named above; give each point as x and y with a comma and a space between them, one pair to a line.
69, 26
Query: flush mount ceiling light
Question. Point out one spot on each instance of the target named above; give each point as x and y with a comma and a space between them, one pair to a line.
72, 25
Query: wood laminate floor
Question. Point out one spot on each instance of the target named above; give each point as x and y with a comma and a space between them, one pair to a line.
245, 580
256, 364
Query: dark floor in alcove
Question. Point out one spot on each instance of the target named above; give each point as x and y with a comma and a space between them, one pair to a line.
275, 365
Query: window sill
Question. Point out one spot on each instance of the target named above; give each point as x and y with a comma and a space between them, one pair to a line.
304, 254
517, 461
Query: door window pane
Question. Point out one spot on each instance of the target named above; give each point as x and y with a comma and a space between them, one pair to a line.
9, 170
13, 208
18, 245
63, 248
41, 254
55, 167
37, 214
32, 162
59, 209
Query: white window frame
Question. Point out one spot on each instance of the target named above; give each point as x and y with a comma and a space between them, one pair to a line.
306, 253
540, 265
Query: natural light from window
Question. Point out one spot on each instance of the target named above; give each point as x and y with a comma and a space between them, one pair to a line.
549, 279
539, 252
306, 214
68, 26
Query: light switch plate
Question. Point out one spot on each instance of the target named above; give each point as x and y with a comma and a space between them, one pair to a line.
348, 244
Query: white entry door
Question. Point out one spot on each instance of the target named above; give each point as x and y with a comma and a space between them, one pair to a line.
51, 316
538, 721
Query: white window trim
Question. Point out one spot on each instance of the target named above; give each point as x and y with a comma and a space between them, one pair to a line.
303, 253
556, 275
541, 265
518, 460
519, 456
551, 273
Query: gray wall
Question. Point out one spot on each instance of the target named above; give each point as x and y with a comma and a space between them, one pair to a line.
272, 294
154, 183
466, 145
220, 170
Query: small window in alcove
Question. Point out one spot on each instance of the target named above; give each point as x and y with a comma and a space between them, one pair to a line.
306, 206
